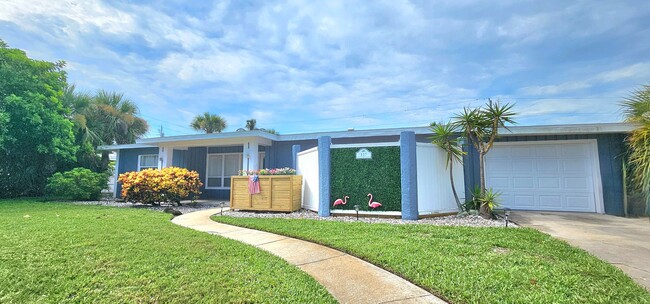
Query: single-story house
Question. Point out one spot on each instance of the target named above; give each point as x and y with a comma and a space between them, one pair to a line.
574, 167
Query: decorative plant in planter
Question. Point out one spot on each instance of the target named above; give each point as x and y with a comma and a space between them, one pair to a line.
275, 171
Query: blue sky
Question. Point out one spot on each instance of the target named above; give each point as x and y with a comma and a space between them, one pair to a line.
300, 66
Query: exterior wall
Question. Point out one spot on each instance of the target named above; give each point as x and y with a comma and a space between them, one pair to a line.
280, 154
128, 161
179, 158
610, 148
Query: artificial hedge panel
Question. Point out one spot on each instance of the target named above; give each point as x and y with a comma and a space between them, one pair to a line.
355, 178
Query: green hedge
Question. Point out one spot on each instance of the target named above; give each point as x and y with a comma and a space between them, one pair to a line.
356, 178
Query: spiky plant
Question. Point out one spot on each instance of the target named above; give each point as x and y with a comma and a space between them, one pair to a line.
445, 137
636, 109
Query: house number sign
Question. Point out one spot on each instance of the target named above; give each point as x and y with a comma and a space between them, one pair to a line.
363, 153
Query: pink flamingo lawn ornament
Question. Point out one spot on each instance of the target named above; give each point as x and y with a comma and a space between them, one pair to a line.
340, 201
371, 204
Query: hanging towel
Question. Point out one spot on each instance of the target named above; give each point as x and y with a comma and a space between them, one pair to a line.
253, 184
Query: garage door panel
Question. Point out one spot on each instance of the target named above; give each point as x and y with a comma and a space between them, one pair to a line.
579, 166
543, 176
550, 201
578, 202
524, 200
576, 183
500, 182
573, 150
546, 151
548, 165
522, 165
521, 151
523, 183
550, 183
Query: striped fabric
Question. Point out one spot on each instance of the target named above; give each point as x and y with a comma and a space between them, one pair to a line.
253, 184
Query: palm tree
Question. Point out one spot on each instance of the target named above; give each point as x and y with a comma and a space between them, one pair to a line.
86, 131
251, 124
209, 123
445, 137
481, 127
116, 119
636, 109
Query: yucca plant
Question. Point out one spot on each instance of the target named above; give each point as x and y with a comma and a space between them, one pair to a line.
445, 137
636, 109
481, 127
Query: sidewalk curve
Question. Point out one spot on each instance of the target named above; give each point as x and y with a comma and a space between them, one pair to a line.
347, 278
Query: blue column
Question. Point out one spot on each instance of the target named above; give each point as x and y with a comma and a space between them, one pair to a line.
408, 160
294, 152
324, 143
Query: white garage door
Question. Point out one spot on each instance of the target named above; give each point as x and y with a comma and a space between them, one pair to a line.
557, 176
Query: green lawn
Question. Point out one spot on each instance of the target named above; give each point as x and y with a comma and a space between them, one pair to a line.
57, 253
471, 265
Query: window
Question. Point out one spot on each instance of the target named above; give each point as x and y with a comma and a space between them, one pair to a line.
261, 161
148, 161
220, 168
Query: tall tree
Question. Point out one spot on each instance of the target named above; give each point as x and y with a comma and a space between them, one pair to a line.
80, 106
36, 138
251, 124
115, 120
481, 127
446, 137
636, 109
209, 123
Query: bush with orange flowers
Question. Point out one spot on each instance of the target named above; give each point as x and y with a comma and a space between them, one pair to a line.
153, 186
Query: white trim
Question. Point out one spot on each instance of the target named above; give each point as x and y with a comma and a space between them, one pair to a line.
117, 172
127, 146
308, 150
261, 158
596, 177
381, 144
147, 167
354, 213
264, 138
425, 144
223, 168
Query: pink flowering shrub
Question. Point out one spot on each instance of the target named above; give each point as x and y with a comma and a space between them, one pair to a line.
276, 171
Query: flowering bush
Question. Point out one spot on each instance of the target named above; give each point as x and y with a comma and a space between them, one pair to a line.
152, 186
276, 171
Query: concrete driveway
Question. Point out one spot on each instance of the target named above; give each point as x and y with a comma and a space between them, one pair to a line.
623, 242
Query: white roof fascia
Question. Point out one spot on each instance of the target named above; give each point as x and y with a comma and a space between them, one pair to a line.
602, 128
264, 138
355, 133
127, 146
211, 136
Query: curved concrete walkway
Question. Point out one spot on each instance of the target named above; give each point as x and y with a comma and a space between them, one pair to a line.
347, 278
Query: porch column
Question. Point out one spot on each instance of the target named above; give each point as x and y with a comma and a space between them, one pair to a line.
408, 159
165, 157
251, 156
295, 149
324, 143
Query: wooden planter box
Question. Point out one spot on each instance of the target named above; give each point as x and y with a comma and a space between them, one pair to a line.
277, 193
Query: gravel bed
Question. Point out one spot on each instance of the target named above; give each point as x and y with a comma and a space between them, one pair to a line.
452, 220
185, 208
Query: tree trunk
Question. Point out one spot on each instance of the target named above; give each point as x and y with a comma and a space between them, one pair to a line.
104, 162
484, 210
453, 187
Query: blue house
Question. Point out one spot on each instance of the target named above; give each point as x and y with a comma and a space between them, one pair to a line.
554, 168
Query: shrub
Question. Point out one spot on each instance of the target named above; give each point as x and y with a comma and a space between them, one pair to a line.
76, 184
153, 186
